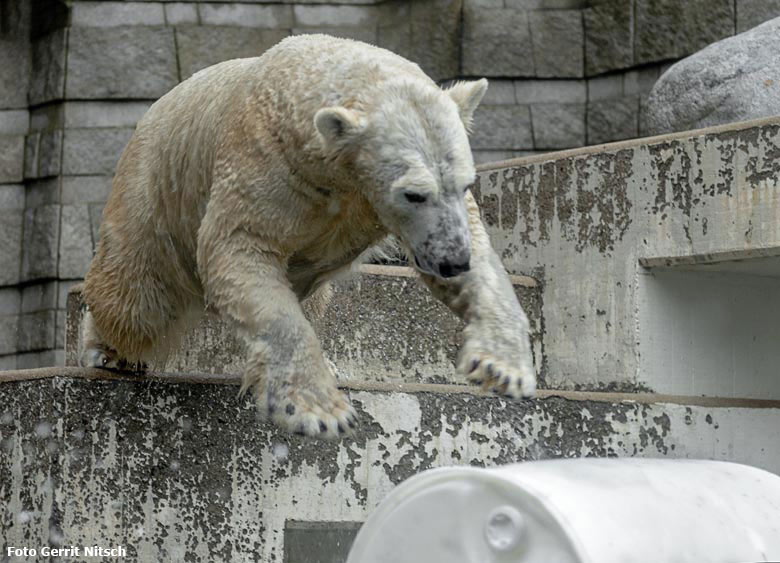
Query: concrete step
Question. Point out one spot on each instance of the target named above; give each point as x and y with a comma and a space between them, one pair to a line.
381, 325
178, 468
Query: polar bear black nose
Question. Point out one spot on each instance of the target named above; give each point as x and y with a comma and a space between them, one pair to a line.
449, 270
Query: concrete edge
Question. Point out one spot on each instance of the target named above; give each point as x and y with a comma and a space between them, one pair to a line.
386, 271
407, 272
661, 262
410, 388
627, 144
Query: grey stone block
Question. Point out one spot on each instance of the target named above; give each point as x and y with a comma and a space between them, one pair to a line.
47, 79
14, 122
10, 301
613, 120
31, 149
95, 217
14, 54
502, 127
39, 297
394, 31
178, 13
36, 331
11, 221
550, 91
86, 189
496, 43
334, 16
200, 47
75, 242
558, 126
365, 34
41, 242
500, 92
59, 330
605, 87
669, 29
11, 197
121, 62
640, 81
547, 4
436, 37
247, 15
42, 359
557, 37
609, 37
474, 4
93, 151
9, 334
751, 13
104, 114
11, 159
63, 288
50, 154
47, 118
112, 14
42, 192
8, 362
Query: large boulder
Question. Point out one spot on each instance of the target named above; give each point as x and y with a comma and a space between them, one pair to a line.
732, 80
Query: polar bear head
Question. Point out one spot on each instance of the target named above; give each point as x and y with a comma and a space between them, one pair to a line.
412, 154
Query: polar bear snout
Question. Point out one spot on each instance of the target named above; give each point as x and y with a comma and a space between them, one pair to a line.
448, 269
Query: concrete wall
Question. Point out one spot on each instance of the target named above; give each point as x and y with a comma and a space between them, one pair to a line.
596, 225
76, 76
182, 470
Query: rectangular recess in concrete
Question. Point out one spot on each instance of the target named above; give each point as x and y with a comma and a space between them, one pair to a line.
711, 329
318, 542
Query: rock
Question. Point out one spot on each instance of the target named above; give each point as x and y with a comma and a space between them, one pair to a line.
735, 79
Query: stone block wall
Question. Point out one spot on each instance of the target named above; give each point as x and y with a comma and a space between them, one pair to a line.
76, 76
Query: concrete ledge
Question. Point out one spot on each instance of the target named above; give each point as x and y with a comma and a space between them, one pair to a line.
179, 471
628, 144
382, 324
92, 374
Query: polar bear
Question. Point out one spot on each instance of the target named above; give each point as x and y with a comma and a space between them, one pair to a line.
251, 184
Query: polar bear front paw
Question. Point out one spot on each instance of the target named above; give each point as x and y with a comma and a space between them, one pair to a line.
499, 360
317, 409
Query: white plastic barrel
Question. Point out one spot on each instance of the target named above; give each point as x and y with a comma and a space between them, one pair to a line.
578, 510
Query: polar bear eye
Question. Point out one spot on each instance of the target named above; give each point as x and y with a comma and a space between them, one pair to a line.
414, 198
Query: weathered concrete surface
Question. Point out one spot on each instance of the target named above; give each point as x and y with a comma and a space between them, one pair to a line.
582, 220
184, 471
381, 325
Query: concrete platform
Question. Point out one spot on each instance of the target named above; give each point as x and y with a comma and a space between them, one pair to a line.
382, 324
178, 468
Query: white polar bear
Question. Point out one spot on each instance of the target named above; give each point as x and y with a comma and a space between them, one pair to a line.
251, 184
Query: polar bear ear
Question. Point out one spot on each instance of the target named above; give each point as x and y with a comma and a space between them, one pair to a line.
467, 96
338, 125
